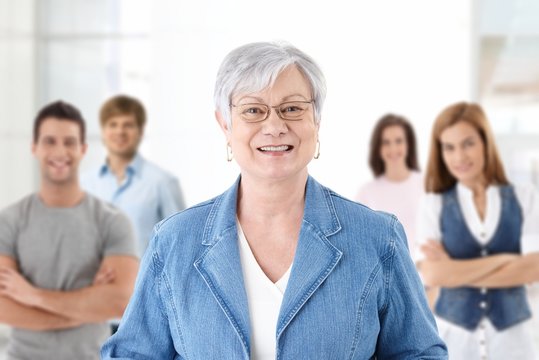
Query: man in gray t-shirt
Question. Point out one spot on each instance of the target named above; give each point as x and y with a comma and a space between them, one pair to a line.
67, 260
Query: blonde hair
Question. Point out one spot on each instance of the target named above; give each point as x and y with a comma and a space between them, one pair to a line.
123, 105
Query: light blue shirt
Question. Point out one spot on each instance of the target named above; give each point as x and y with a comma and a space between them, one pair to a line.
353, 291
147, 195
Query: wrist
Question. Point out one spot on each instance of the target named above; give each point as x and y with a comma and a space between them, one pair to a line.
35, 298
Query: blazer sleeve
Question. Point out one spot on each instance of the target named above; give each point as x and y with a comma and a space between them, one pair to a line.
144, 331
407, 326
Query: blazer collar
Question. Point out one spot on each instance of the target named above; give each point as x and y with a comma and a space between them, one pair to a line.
319, 211
315, 258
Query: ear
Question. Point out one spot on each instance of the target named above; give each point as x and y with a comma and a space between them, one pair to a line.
34, 148
222, 123
84, 148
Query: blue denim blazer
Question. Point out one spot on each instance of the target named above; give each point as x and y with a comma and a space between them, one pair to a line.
353, 291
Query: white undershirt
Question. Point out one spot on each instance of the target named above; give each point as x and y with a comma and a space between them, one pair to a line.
264, 298
485, 342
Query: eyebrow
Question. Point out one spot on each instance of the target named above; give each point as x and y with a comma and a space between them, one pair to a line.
470, 137
55, 137
284, 99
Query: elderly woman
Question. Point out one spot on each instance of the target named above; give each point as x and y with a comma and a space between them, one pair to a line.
481, 241
278, 266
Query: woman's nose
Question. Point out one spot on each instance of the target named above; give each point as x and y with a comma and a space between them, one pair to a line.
274, 125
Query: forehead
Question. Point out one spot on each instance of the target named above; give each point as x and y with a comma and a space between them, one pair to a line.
289, 82
122, 119
458, 132
393, 131
54, 127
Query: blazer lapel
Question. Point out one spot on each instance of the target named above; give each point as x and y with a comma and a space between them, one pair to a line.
220, 265
316, 256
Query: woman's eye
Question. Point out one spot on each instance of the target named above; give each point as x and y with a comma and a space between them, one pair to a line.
290, 109
253, 110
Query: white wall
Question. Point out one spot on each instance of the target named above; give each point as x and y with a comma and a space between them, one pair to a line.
17, 93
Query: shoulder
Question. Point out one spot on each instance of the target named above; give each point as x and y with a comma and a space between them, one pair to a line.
372, 184
416, 178
102, 210
365, 190
153, 171
17, 211
374, 236
432, 200
186, 221
180, 236
361, 218
348, 205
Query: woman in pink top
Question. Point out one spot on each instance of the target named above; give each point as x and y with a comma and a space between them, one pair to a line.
398, 185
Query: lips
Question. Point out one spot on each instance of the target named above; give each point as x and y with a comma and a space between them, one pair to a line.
275, 148
58, 163
462, 168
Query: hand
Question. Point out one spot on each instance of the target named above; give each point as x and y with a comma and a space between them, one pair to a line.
104, 276
15, 286
434, 250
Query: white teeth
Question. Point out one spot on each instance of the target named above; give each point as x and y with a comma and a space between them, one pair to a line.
58, 163
275, 148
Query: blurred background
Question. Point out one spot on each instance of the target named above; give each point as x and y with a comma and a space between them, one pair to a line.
413, 58
408, 57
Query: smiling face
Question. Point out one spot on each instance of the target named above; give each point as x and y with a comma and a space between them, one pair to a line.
121, 135
273, 149
59, 150
463, 152
393, 149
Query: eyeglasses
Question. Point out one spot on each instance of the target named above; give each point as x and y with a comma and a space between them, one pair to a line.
290, 110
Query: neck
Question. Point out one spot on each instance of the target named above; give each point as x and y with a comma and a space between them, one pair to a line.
266, 201
397, 172
61, 195
118, 163
478, 188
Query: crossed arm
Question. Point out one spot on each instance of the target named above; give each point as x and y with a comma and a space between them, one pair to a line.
33, 308
495, 271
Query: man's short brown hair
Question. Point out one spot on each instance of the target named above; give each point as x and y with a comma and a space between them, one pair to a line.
123, 105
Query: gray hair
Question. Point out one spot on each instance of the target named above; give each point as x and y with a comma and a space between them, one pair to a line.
254, 67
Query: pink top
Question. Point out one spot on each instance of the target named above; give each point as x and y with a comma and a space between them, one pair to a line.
400, 198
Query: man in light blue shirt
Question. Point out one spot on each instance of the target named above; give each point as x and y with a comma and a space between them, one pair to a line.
145, 192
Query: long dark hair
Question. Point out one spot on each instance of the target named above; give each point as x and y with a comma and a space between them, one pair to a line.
376, 162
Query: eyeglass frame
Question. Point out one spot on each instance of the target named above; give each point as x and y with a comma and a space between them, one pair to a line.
277, 110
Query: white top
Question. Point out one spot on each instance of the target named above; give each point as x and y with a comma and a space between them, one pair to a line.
264, 298
401, 198
485, 342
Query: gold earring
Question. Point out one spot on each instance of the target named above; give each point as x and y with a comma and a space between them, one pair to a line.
229, 155
317, 153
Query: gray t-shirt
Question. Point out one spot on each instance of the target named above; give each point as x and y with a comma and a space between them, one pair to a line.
62, 249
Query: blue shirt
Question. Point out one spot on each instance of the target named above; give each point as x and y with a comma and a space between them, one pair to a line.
147, 195
353, 291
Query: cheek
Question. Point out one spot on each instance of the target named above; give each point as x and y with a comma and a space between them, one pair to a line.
385, 149
404, 148
239, 137
480, 159
446, 157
